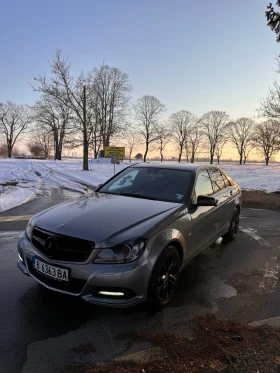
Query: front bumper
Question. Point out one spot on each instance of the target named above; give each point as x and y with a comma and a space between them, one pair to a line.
87, 280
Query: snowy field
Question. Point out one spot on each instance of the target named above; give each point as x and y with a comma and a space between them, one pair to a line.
23, 179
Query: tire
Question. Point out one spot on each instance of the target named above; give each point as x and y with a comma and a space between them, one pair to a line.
233, 228
164, 280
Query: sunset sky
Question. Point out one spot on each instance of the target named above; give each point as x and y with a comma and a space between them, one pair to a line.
197, 56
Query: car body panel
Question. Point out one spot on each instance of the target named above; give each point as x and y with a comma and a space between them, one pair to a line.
100, 217
108, 220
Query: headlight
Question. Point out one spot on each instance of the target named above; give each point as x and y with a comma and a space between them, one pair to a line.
123, 253
28, 230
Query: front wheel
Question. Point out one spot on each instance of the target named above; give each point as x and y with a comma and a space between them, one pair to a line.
233, 228
164, 280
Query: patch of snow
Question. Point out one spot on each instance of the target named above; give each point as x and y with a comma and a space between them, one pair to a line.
255, 176
253, 233
14, 196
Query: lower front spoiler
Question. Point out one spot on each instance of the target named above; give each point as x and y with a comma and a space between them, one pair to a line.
113, 303
100, 301
21, 265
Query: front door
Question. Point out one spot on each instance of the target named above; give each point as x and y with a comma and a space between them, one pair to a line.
202, 230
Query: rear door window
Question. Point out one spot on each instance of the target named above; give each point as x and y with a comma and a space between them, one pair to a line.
227, 183
218, 180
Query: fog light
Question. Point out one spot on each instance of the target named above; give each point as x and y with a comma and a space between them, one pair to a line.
20, 258
113, 294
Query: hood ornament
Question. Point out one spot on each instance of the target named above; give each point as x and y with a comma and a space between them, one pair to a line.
61, 226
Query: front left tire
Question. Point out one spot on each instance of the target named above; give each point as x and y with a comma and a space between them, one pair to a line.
165, 277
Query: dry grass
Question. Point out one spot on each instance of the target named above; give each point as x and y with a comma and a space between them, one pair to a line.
262, 200
218, 346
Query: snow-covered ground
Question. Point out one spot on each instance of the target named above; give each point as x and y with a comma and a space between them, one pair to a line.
23, 179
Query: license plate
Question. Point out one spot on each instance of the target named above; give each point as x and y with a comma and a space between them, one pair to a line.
57, 273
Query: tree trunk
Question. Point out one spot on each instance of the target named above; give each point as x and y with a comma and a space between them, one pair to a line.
192, 156
211, 158
218, 159
241, 159
146, 151
161, 155
180, 154
9, 151
130, 155
266, 161
85, 147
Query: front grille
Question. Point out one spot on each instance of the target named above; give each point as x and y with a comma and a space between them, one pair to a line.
60, 247
74, 285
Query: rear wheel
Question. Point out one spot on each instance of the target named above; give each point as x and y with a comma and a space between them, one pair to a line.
233, 228
165, 277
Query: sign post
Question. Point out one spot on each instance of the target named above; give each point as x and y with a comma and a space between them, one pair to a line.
114, 160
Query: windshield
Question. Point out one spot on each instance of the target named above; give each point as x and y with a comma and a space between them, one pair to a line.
150, 183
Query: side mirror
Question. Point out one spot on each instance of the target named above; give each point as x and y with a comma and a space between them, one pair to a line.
206, 201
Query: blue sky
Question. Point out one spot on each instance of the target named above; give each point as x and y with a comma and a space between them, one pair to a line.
195, 55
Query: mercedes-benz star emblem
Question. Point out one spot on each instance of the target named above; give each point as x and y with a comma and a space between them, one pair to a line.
50, 247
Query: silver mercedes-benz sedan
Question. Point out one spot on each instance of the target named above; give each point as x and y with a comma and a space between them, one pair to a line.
127, 242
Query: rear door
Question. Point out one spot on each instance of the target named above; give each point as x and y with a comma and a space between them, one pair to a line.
223, 192
203, 218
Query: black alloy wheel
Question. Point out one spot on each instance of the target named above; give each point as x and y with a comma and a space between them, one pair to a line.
165, 277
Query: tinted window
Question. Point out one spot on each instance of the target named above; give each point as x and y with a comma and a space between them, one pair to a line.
203, 185
153, 183
218, 180
227, 183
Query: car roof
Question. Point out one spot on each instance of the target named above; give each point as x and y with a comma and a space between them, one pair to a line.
174, 166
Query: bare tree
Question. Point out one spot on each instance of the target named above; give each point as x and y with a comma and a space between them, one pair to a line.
214, 125
110, 99
45, 139
69, 92
193, 143
270, 106
267, 139
219, 149
147, 111
96, 138
247, 150
240, 133
53, 116
14, 121
131, 141
273, 19
182, 124
163, 134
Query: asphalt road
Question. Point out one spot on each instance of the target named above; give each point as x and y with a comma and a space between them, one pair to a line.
40, 330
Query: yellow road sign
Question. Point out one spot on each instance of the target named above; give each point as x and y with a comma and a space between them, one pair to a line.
114, 151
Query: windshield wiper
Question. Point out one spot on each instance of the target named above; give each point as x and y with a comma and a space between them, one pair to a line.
138, 196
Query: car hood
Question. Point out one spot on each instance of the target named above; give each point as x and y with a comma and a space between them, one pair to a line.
100, 217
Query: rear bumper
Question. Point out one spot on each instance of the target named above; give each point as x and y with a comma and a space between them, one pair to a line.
90, 281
